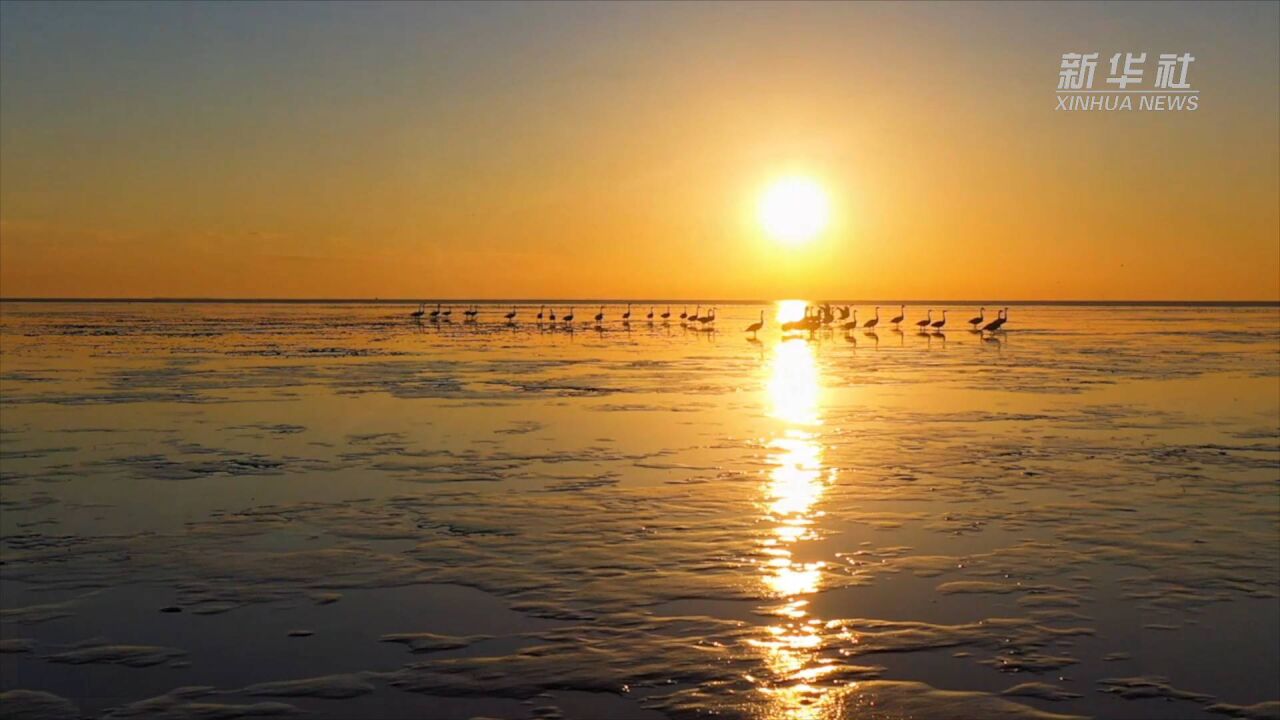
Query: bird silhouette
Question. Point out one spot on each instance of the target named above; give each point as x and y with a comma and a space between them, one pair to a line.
902, 315
1001, 318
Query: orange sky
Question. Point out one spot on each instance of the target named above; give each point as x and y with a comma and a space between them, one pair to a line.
619, 150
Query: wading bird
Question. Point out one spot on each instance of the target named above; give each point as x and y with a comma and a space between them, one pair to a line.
422, 310
1001, 318
922, 324
626, 316
684, 313
811, 321
666, 315
447, 313
435, 314
649, 317
939, 324
553, 315
873, 322
568, 319
541, 309
511, 316
754, 327
975, 322
852, 324
600, 315
902, 315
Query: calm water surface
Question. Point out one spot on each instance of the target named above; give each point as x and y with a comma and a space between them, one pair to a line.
246, 510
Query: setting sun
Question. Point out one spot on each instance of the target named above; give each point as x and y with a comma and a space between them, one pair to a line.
794, 209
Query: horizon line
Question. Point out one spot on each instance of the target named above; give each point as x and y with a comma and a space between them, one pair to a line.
656, 301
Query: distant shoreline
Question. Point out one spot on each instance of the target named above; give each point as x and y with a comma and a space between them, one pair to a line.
644, 301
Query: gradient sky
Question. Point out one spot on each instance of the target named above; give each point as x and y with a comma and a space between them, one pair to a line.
615, 150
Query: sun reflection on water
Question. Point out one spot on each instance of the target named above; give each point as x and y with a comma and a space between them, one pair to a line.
792, 493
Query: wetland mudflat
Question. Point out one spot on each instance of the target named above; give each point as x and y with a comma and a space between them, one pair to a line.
248, 510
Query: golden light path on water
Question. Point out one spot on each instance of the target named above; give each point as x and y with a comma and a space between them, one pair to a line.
792, 493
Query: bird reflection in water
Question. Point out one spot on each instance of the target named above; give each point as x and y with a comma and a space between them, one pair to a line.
792, 494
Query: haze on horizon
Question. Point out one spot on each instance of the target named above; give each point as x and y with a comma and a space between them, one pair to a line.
619, 150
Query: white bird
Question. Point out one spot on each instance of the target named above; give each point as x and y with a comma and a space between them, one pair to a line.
754, 327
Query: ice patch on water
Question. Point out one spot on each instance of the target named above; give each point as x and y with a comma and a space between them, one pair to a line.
37, 705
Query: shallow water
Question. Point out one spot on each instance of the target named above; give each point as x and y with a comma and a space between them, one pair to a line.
333, 509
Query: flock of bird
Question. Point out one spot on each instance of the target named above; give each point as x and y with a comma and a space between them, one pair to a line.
816, 317
824, 316
548, 314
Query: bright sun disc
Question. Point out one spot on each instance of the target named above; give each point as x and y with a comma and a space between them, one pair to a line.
794, 209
